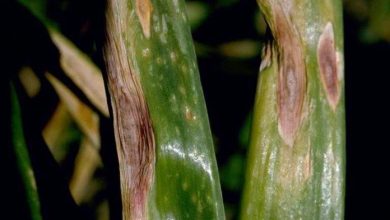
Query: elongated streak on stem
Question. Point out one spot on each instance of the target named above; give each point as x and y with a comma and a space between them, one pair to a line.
132, 124
144, 10
327, 61
292, 73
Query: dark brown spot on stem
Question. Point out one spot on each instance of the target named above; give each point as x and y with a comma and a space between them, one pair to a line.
327, 61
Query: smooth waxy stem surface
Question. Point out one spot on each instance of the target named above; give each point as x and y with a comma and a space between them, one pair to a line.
166, 156
296, 162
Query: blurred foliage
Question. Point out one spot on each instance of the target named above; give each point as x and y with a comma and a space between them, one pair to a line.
22, 156
374, 16
38, 8
197, 13
227, 35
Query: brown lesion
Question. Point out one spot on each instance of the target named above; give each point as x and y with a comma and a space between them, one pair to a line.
132, 124
144, 10
292, 70
327, 62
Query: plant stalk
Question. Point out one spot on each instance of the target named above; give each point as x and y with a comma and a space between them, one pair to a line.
296, 160
22, 157
156, 95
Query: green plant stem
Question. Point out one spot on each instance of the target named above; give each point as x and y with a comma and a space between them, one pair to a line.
160, 53
22, 157
296, 160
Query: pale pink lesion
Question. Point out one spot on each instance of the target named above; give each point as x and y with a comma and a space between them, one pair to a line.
328, 65
291, 73
132, 124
